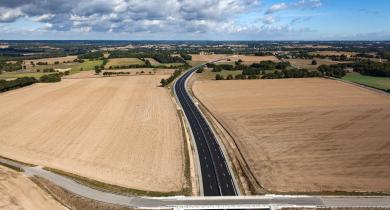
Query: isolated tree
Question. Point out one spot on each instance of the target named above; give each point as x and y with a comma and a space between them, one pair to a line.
218, 77
97, 69
200, 70
147, 63
314, 62
229, 77
163, 82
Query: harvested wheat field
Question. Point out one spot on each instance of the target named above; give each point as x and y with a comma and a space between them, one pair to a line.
119, 130
18, 192
247, 59
123, 62
306, 135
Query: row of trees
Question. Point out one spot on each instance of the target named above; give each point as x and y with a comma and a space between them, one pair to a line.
161, 57
110, 73
50, 78
17, 83
165, 82
291, 73
255, 68
6, 85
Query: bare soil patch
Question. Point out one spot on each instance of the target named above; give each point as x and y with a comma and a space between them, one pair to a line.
119, 130
18, 192
306, 135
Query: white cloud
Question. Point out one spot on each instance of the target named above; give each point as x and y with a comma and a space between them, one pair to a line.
301, 4
127, 15
9, 14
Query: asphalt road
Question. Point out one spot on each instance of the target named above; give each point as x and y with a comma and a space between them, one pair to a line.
216, 177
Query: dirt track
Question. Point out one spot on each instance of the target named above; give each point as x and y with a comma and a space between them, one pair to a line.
119, 130
18, 192
306, 134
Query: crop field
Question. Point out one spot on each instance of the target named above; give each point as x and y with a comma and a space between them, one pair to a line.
337, 53
18, 192
306, 135
119, 130
50, 60
153, 61
247, 59
376, 82
14, 75
306, 63
123, 62
74, 67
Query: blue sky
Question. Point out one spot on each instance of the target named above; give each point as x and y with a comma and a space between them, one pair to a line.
201, 19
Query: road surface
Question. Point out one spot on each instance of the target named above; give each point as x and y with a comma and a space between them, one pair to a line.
216, 177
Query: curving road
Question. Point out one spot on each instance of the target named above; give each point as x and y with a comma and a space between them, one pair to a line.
216, 177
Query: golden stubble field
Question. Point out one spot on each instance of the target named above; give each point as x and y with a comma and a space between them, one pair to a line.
306, 135
246, 59
18, 192
119, 130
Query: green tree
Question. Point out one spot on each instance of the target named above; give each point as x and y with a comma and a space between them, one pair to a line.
164, 82
229, 77
314, 62
218, 77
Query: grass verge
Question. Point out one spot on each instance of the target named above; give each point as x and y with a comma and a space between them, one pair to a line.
72, 201
101, 186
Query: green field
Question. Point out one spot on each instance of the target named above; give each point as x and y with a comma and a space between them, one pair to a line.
75, 68
86, 66
382, 83
14, 75
170, 65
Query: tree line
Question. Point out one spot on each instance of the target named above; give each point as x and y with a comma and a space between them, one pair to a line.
16, 83
372, 68
110, 73
161, 57
91, 55
277, 74
6, 85
165, 82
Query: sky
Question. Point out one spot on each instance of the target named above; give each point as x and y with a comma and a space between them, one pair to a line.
195, 19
